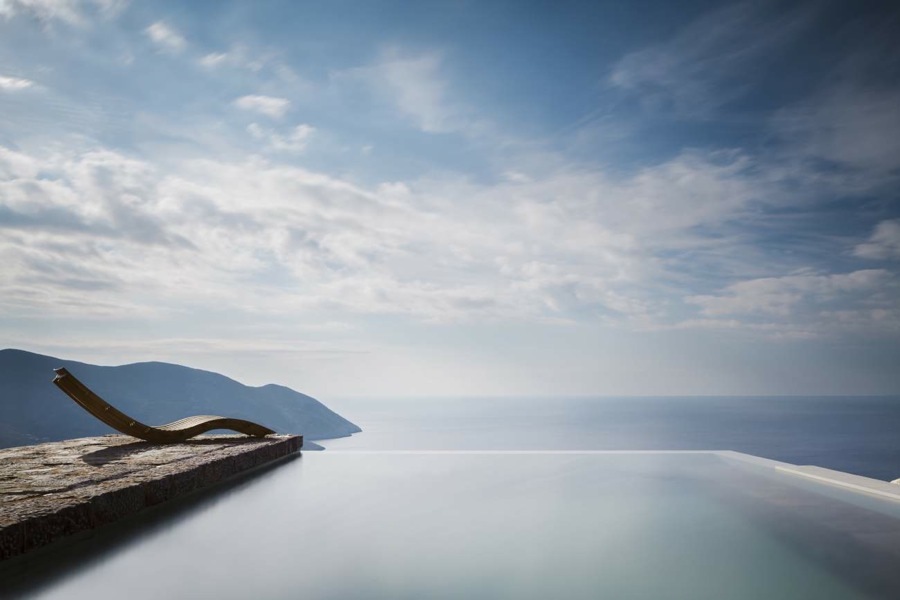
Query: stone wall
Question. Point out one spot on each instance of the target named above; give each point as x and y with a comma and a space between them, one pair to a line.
49, 491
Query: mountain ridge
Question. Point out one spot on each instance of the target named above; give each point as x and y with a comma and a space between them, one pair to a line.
32, 410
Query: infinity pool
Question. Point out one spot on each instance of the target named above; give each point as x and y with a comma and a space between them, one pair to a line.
501, 525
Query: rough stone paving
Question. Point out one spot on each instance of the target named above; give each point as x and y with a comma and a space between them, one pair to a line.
49, 491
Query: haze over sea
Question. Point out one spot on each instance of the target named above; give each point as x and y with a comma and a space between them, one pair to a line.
853, 434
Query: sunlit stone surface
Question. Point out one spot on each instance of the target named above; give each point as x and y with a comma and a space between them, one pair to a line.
53, 490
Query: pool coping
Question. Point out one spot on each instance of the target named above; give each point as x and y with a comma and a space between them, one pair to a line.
857, 483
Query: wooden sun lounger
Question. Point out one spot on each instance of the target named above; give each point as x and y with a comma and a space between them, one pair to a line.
164, 434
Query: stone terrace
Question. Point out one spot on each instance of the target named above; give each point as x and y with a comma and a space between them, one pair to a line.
49, 491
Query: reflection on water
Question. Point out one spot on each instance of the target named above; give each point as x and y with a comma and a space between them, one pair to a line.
488, 525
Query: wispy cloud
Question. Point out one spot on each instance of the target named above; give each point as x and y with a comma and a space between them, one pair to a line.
295, 140
166, 37
269, 106
213, 59
852, 123
238, 56
780, 295
154, 347
412, 83
884, 242
705, 64
71, 12
14, 84
417, 88
806, 304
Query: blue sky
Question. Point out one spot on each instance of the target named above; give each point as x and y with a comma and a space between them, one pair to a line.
448, 198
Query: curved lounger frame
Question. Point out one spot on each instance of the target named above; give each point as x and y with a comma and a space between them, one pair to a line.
172, 433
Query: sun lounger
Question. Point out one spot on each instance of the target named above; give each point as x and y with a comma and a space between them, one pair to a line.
164, 434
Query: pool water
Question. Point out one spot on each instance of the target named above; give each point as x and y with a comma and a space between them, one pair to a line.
655, 525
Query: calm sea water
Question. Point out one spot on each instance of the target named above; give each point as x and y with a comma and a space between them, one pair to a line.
858, 435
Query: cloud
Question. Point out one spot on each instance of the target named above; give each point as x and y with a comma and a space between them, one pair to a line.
847, 113
704, 66
805, 305
213, 59
851, 124
414, 85
167, 38
551, 248
152, 348
238, 56
418, 89
780, 295
884, 242
294, 140
15, 165
564, 246
71, 12
265, 105
14, 84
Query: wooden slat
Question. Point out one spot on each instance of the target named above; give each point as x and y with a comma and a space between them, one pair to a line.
174, 432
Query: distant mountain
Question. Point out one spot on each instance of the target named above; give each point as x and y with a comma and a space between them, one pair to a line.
33, 410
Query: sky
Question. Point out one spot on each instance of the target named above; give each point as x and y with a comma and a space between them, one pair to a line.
380, 198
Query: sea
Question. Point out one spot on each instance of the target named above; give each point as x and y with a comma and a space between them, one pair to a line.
854, 434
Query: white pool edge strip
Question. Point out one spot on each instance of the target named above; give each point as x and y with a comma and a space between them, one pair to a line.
868, 488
